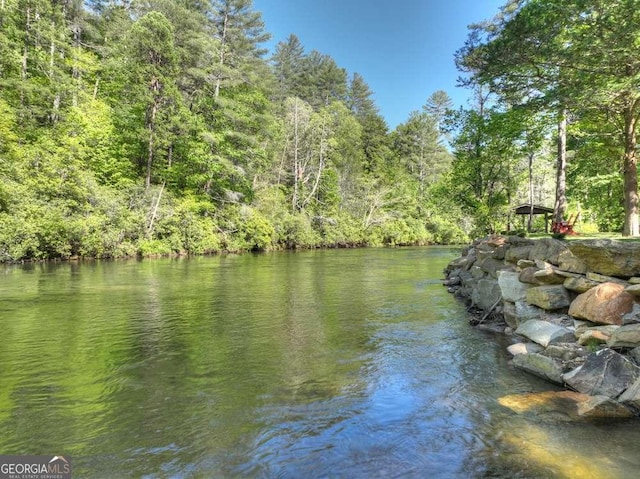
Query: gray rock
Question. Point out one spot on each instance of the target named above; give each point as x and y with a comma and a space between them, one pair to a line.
517, 253
550, 250
527, 276
499, 252
631, 397
634, 290
632, 316
525, 312
604, 373
539, 365
603, 407
549, 297
572, 264
477, 272
509, 314
549, 276
635, 354
544, 333
525, 263
579, 284
566, 351
512, 289
627, 336
634, 280
486, 293
601, 278
491, 266
609, 257
524, 348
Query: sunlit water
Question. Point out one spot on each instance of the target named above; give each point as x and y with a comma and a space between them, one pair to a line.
350, 363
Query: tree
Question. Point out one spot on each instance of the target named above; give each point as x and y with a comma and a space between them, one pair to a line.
153, 63
556, 53
239, 32
287, 64
375, 141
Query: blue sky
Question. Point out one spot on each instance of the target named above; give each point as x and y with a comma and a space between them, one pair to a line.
403, 48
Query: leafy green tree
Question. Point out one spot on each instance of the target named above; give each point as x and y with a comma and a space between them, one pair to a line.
559, 54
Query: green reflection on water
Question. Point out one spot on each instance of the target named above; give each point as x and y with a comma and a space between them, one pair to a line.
330, 363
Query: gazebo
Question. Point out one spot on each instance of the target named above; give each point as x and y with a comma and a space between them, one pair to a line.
526, 209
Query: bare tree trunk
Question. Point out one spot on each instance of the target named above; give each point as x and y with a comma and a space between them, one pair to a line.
25, 58
560, 206
296, 160
154, 212
530, 221
631, 226
223, 39
151, 127
321, 162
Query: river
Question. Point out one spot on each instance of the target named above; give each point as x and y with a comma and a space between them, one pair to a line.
332, 363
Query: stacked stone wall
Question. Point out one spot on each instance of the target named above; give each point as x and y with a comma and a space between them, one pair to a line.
573, 309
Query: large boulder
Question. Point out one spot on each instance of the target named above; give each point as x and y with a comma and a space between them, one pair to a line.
610, 257
604, 373
544, 333
549, 298
607, 303
511, 287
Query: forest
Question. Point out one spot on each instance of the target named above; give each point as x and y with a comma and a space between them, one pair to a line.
139, 128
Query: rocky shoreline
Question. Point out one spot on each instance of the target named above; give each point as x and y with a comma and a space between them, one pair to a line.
572, 310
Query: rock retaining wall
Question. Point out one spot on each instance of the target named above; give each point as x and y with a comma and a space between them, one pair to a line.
573, 308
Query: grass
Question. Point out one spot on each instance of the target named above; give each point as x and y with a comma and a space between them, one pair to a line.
605, 235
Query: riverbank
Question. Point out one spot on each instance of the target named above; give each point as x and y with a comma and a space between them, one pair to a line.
571, 308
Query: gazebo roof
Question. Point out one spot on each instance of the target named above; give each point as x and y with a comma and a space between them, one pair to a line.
525, 208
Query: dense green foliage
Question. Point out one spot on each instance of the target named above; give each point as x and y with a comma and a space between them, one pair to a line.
575, 60
159, 127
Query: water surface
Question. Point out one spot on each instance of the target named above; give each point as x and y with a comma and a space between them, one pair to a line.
340, 363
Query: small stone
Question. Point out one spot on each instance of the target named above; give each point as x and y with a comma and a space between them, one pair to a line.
524, 348
591, 336
525, 263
